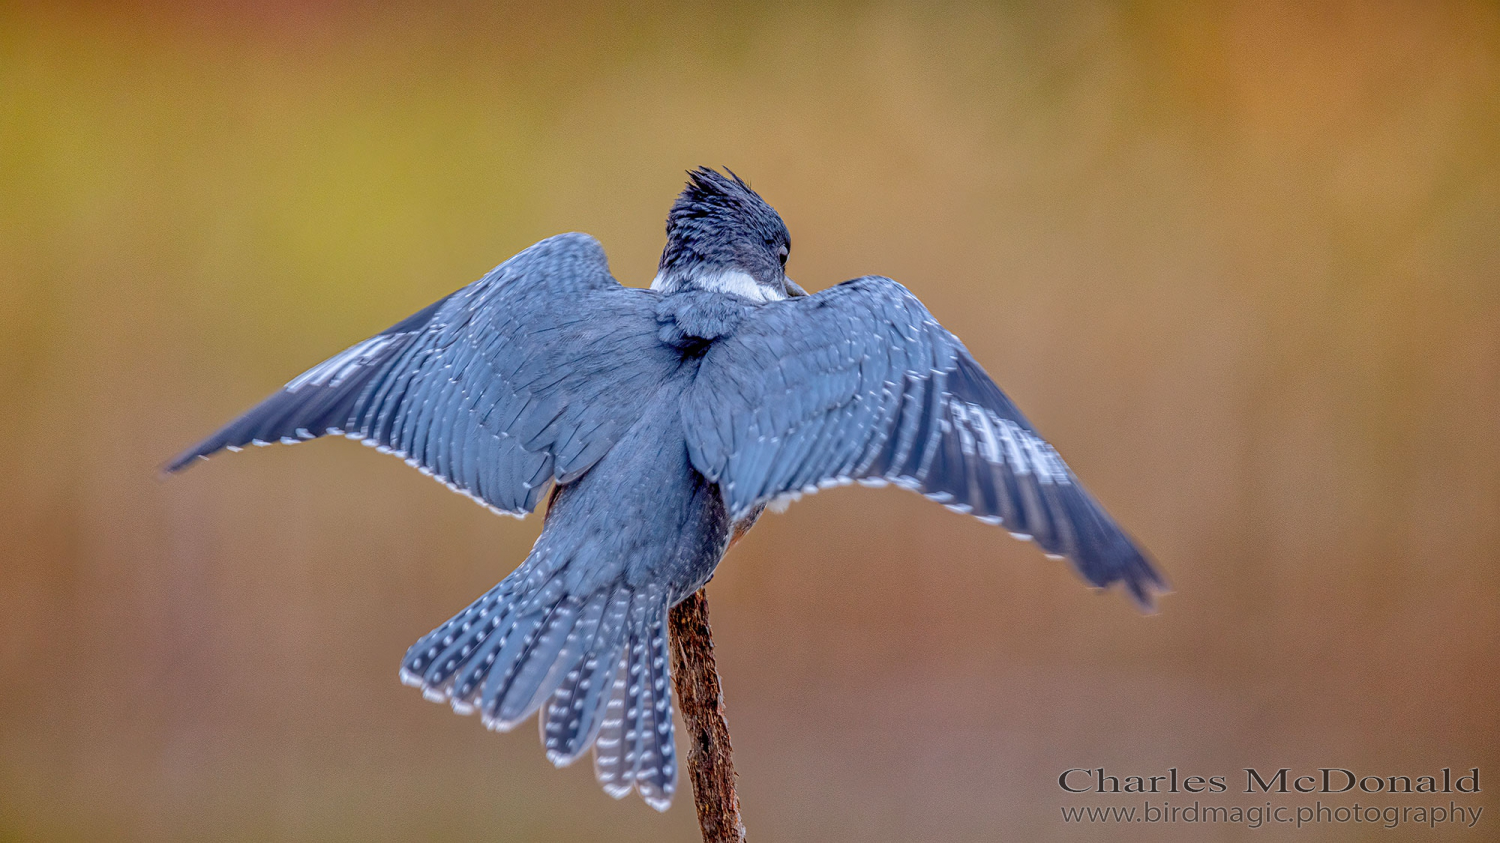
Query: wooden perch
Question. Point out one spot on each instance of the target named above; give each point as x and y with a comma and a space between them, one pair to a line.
696, 680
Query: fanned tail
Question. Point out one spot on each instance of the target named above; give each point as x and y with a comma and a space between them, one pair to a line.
596, 665
634, 747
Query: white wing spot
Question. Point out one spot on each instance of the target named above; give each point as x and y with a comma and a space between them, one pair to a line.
339, 367
1010, 436
989, 446
1044, 459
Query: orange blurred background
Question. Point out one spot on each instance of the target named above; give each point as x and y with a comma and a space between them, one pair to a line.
1239, 262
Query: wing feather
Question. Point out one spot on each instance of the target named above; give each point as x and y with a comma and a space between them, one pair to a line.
528, 375
859, 382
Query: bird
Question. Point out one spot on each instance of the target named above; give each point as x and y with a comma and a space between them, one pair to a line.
660, 424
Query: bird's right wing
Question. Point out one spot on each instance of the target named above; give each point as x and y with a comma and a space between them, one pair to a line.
860, 383
528, 375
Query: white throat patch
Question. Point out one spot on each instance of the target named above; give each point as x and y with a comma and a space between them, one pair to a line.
730, 282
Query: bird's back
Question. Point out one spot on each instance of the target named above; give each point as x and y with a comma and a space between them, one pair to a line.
579, 629
642, 514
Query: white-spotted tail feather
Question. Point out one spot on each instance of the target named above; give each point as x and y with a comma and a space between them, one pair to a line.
596, 666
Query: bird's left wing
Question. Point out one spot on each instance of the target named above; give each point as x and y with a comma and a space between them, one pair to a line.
860, 383
529, 374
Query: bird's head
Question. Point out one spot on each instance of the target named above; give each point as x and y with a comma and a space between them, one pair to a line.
722, 236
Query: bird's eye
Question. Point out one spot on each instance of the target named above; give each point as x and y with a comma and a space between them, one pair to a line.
782, 253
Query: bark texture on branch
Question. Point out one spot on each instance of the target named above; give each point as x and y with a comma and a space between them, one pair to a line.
696, 680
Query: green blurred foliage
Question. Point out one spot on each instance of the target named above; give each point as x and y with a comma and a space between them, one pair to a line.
1239, 261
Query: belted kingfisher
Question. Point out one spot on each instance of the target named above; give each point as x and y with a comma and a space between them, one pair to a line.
665, 421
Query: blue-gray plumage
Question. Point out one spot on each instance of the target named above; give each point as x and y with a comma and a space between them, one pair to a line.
665, 421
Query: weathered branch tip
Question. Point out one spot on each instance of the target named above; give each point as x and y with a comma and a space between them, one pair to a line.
696, 680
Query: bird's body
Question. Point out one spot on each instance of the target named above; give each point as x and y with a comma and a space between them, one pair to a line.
665, 420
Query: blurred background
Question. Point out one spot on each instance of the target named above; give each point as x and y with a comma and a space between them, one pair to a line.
1239, 261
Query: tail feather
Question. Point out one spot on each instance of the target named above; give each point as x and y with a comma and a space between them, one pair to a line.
637, 702
656, 777
571, 646
522, 697
571, 721
507, 662
596, 664
575, 713
609, 746
431, 662
467, 682
634, 750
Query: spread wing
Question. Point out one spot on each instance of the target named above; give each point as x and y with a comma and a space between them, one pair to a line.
527, 375
859, 382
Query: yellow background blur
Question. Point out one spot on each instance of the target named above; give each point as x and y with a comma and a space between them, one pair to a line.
1239, 262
